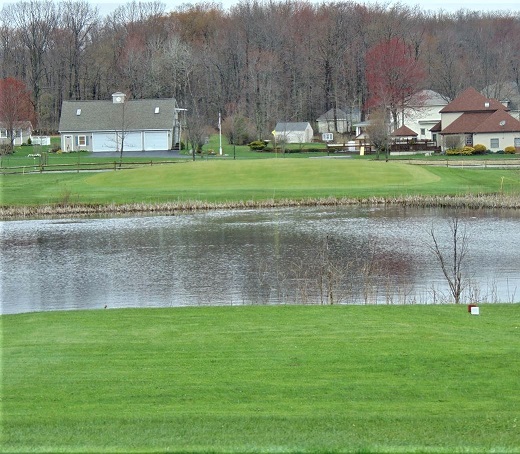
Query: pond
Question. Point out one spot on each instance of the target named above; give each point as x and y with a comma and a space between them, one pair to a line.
332, 255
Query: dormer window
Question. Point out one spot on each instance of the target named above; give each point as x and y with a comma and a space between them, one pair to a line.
486, 104
78, 112
156, 110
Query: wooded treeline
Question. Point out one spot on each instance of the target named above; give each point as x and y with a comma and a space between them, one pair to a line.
261, 61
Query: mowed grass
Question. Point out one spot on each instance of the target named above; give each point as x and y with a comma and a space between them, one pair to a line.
263, 379
228, 181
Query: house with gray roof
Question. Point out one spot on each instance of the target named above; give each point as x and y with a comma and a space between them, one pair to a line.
110, 126
293, 132
338, 120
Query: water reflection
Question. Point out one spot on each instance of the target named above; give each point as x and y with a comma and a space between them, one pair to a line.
283, 256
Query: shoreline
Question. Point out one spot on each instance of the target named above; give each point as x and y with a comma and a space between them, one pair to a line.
471, 201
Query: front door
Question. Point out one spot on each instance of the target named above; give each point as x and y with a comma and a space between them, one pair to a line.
68, 144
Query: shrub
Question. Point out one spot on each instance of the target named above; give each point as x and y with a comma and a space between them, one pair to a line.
479, 149
256, 145
29, 141
453, 151
500, 151
55, 149
510, 150
467, 151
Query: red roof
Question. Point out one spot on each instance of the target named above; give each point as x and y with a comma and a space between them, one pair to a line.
437, 127
470, 100
404, 131
466, 123
482, 122
499, 121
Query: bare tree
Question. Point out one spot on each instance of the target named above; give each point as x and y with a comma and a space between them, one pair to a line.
452, 263
35, 21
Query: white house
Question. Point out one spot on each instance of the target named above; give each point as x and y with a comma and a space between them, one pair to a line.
300, 132
471, 118
22, 131
423, 113
105, 126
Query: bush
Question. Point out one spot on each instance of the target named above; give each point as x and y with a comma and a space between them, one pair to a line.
479, 149
467, 151
29, 141
55, 149
510, 150
256, 145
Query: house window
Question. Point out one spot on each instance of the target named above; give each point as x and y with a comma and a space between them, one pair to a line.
469, 140
78, 112
517, 142
3, 133
494, 143
423, 131
82, 141
156, 110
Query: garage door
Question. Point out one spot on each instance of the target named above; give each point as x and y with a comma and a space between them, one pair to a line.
104, 142
156, 140
133, 141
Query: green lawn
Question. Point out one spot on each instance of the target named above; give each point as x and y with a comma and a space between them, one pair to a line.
263, 379
244, 180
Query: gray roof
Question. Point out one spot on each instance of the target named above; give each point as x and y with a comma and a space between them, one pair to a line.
139, 114
285, 127
341, 114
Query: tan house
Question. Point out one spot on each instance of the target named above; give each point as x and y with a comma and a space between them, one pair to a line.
471, 118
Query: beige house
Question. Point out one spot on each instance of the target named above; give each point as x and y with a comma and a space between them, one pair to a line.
471, 118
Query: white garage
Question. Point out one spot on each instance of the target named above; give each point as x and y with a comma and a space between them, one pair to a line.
104, 141
133, 141
147, 124
155, 140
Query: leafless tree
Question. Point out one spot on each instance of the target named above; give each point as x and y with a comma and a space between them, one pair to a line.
452, 257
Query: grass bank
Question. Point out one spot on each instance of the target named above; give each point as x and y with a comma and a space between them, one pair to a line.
263, 379
254, 182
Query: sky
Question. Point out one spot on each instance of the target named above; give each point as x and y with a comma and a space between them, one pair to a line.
426, 5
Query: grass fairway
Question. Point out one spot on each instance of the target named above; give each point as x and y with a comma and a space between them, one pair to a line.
263, 379
230, 181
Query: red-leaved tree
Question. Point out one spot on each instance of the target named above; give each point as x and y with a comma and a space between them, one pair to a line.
16, 107
393, 75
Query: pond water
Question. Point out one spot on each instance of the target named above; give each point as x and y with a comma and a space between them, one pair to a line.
347, 255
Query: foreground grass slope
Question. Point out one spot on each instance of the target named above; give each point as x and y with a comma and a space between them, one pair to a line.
227, 181
263, 379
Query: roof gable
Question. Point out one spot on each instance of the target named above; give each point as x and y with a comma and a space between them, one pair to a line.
470, 100
291, 126
404, 131
141, 114
500, 121
329, 115
466, 123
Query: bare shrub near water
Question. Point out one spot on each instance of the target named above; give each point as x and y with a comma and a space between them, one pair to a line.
452, 258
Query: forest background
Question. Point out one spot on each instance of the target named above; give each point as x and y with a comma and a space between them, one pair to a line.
257, 62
